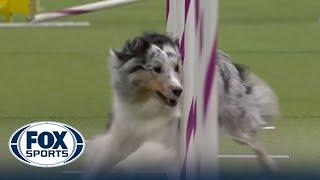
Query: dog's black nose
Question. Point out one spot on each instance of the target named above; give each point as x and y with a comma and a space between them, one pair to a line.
177, 91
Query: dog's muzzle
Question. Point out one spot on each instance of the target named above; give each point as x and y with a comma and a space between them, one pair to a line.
169, 101
177, 91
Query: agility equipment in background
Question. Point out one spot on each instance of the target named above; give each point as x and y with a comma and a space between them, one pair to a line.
10, 7
31, 8
45, 24
194, 22
76, 10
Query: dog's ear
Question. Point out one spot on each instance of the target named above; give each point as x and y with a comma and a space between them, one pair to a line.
117, 57
124, 54
139, 47
135, 48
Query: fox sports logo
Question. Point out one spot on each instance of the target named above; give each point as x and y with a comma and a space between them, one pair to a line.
46, 144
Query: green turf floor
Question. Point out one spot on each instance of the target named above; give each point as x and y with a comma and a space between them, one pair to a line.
61, 73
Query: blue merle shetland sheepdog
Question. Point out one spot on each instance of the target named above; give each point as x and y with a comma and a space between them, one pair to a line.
146, 80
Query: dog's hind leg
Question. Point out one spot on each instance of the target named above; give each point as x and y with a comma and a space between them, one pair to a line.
263, 157
265, 160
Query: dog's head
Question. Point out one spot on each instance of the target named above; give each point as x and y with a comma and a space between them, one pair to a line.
142, 70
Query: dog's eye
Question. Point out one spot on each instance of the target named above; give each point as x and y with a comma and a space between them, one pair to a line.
176, 68
157, 69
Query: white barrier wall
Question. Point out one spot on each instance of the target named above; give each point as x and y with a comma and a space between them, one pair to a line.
194, 22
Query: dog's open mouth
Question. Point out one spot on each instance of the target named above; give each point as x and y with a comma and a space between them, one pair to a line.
168, 101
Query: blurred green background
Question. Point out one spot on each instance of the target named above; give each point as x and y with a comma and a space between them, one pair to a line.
61, 73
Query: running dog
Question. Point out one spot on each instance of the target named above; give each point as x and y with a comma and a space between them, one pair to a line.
146, 79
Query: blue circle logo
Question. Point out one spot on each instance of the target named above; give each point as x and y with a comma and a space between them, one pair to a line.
47, 144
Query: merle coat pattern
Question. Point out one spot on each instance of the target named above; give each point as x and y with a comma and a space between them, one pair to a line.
146, 79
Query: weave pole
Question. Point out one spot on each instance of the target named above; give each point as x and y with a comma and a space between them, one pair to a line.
194, 22
76, 10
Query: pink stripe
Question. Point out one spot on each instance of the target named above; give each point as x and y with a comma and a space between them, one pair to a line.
182, 47
191, 130
182, 41
210, 77
183, 174
186, 9
191, 126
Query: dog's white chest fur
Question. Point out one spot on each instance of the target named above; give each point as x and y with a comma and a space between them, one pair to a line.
150, 120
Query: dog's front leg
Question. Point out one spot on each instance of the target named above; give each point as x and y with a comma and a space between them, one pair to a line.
106, 151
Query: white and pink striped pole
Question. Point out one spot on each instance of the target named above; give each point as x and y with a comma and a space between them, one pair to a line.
76, 10
194, 22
